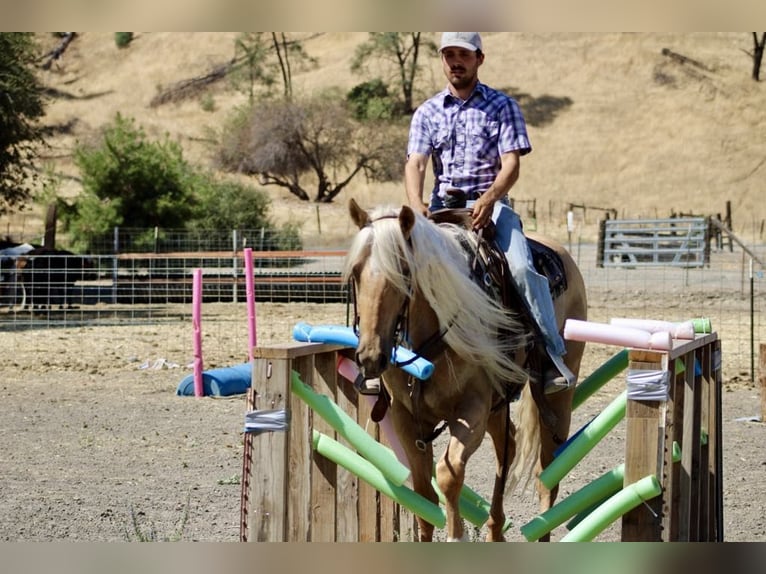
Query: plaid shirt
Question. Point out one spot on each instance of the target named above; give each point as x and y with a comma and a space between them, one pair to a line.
466, 139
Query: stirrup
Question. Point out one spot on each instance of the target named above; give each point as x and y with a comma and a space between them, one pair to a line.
558, 378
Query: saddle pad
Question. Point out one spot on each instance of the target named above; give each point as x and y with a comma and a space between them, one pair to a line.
548, 263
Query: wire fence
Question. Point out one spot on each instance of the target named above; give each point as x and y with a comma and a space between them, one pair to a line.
133, 288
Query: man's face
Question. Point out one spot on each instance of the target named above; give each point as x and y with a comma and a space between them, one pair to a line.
461, 66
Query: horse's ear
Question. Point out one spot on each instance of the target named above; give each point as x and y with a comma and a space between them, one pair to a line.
358, 215
406, 220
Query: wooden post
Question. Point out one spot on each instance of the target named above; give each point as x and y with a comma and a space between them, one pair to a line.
283, 478
762, 377
645, 437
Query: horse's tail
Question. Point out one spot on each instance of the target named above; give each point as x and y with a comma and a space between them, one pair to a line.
527, 443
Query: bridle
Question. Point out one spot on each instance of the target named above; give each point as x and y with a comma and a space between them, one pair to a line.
429, 349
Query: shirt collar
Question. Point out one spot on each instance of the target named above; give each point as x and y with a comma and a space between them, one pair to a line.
480, 90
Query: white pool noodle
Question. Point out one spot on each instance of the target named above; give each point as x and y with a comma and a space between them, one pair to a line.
684, 330
576, 330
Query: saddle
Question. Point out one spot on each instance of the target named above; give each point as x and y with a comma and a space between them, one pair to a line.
491, 268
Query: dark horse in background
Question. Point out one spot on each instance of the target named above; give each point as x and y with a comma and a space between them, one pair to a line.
48, 277
41, 276
413, 287
11, 289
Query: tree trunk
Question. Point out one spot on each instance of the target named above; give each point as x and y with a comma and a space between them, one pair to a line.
758, 55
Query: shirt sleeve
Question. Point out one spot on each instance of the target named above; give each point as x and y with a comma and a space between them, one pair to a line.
420, 134
513, 130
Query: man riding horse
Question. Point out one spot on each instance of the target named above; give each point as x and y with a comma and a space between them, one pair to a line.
475, 137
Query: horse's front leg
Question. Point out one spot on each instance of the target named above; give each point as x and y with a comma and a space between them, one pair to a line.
503, 433
467, 432
421, 463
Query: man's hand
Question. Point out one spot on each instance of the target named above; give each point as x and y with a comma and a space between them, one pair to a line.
482, 211
420, 208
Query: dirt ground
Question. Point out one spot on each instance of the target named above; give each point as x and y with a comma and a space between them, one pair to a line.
96, 446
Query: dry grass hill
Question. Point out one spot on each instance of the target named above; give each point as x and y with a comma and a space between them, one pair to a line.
615, 122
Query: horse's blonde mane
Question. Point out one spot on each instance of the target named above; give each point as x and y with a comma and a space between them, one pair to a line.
439, 269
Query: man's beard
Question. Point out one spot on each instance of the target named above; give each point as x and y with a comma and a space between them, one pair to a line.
462, 81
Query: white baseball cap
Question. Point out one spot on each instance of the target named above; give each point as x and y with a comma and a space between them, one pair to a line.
468, 40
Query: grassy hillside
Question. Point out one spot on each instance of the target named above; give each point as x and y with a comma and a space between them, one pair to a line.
614, 122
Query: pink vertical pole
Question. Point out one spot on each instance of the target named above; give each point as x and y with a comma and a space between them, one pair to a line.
250, 289
197, 323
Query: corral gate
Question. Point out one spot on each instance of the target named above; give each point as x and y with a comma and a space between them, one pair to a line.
679, 242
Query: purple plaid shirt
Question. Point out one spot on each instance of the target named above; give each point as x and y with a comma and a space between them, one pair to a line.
466, 139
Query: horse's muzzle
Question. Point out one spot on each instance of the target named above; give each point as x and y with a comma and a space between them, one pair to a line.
372, 365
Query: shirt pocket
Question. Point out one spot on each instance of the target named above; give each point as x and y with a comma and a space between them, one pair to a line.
441, 138
484, 136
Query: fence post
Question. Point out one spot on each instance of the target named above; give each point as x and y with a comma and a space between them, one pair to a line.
762, 377
644, 451
690, 506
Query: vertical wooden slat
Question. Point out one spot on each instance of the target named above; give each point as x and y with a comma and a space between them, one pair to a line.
674, 432
689, 503
706, 499
324, 478
389, 510
716, 440
369, 511
300, 456
347, 492
270, 476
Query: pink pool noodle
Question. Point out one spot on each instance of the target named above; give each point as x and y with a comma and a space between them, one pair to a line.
197, 328
683, 330
252, 339
348, 369
576, 330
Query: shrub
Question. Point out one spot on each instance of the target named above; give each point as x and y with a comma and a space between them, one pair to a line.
122, 39
371, 101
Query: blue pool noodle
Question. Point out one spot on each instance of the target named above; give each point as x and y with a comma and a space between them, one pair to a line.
219, 382
419, 368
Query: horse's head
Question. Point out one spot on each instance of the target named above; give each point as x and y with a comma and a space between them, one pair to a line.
379, 269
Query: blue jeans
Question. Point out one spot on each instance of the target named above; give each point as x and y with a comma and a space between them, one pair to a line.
530, 284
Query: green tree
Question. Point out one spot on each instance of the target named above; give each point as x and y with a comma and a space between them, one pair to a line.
21, 104
287, 143
130, 180
226, 205
400, 54
264, 58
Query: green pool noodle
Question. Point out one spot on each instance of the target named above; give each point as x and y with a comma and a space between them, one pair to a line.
584, 442
702, 325
472, 506
598, 378
600, 489
380, 456
580, 516
617, 505
676, 456
368, 472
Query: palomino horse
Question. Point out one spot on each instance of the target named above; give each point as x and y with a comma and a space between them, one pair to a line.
413, 287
